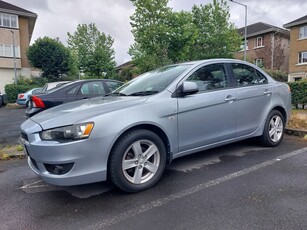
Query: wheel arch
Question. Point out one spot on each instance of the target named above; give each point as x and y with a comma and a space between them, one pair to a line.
282, 111
153, 128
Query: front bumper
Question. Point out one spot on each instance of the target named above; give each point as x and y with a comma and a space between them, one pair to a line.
85, 161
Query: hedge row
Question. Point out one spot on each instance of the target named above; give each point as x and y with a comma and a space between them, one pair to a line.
13, 90
299, 93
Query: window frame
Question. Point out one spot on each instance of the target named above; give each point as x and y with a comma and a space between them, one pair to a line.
256, 42
301, 57
257, 60
12, 19
304, 34
4, 53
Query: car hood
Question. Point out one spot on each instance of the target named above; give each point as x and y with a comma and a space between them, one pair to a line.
80, 111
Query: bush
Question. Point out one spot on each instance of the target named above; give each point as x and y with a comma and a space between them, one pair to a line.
12, 90
278, 75
299, 93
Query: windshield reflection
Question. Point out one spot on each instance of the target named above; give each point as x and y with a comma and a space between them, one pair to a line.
151, 82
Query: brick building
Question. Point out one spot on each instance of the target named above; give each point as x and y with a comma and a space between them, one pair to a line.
267, 46
16, 26
298, 46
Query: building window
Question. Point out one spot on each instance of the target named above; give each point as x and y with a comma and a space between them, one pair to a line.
7, 51
303, 32
242, 45
259, 62
259, 42
8, 20
302, 57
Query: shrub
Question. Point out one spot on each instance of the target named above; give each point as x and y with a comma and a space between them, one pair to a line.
299, 93
12, 90
278, 75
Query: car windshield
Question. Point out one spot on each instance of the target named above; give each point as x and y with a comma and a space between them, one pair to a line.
151, 82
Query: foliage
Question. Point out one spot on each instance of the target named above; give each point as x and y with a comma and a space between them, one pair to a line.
12, 90
278, 75
299, 93
51, 56
33, 81
92, 51
163, 36
217, 37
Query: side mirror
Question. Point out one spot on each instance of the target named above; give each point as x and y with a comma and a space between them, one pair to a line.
188, 88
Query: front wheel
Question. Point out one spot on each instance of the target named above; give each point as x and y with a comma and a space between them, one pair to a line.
274, 129
137, 161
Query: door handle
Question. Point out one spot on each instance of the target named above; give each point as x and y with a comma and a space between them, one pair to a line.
267, 92
230, 98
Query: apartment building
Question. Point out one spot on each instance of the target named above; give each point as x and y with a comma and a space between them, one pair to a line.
298, 49
267, 46
16, 28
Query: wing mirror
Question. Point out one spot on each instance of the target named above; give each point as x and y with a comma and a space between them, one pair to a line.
188, 88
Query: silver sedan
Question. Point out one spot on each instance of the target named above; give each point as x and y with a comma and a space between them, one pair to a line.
130, 136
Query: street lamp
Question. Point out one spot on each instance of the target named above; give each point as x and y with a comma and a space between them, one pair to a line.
14, 54
245, 30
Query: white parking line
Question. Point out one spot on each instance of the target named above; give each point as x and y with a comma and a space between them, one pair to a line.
163, 201
33, 185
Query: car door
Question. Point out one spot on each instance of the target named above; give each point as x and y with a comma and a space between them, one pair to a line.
253, 98
209, 116
91, 89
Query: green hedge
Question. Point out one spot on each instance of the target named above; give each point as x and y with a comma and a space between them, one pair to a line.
13, 90
299, 93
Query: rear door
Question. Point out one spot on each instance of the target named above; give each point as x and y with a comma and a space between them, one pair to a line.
210, 115
253, 98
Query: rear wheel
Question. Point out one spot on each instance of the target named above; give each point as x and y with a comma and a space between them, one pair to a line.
137, 161
274, 129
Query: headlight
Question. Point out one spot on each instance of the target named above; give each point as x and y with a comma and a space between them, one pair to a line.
72, 132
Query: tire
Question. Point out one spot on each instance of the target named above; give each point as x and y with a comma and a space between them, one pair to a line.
274, 129
137, 161
27, 103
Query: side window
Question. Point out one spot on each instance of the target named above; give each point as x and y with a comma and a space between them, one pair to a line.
210, 77
113, 85
245, 75
261, 78
73, 90
90, 88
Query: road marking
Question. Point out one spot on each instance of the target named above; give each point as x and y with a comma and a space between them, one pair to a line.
33, 185
163, 201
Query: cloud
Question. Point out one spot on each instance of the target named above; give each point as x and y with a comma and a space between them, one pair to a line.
57, 17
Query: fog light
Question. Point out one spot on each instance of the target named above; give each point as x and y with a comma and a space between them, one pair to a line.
59, 169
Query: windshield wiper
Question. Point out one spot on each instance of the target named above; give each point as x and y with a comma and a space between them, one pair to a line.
115, 94
143, 93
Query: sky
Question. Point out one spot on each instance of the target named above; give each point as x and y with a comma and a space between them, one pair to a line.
57, 17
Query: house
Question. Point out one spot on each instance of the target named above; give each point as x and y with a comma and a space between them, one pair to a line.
16, 28
298, 49
267, 46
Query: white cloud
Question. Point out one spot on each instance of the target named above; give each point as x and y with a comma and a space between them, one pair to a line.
57, 17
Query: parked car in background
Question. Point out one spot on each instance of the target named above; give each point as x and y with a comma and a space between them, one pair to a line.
68, 92
130, 136
52, 85
23, 98
3, 99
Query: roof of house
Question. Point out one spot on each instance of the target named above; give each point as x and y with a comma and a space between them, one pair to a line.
296, 22
12, 9
9, 8
260, 28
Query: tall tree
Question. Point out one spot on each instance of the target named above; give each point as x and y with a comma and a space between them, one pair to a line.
162, 36
217, 37
93, 51
150, 26
51, 56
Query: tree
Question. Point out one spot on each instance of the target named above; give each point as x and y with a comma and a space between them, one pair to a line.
217, 37
93, 51
51, 56
162, 36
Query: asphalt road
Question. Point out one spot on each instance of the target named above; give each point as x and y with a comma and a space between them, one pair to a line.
238, 186
10, 120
